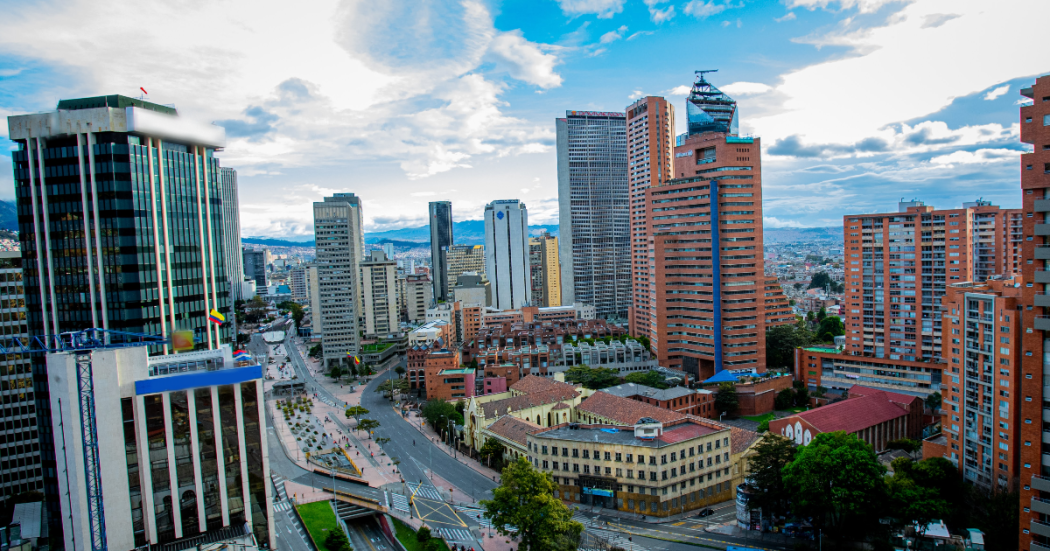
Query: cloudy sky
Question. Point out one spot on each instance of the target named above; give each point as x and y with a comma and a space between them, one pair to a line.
858, 102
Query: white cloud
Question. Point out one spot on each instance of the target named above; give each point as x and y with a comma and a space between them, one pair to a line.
636, 94
981, 156
745, 88
997, 92
790, 16
613, 36
726, 24
773, 222
705, 8
864, 6
680, 90
639, 33
602, 8
524, 60
658, 15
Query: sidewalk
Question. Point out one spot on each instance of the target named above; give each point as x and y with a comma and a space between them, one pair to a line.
419, 424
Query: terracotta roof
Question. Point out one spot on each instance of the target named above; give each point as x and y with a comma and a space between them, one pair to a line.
896, 397
512, 428
498, 408
740, 439
625, 410
535, 383
853, 414
562, 405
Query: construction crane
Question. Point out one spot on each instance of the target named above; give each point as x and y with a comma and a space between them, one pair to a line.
87, 339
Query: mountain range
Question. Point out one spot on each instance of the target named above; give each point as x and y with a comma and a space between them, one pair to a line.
466, 232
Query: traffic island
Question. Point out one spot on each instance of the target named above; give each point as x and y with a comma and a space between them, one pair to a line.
407, 536
319, 520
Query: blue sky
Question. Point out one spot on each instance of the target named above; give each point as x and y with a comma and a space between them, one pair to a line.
858, 102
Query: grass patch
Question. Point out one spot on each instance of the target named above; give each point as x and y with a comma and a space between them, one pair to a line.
377, 347
319, 520
407, 536
759, 418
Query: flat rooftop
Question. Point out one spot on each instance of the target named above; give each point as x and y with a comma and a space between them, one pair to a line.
459, 371
624, 436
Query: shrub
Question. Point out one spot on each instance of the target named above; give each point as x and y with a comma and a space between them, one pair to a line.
423, 534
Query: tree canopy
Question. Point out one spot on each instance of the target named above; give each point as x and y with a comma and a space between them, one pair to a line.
437, 413
525, 500
829, 328
781, 342
594, 378
726, 399
649, 378
821, 280
766, 465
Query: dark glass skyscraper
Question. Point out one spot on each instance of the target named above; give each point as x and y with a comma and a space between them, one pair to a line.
440, 241
120, 214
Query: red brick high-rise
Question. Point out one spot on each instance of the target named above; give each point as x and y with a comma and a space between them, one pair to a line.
1035, 269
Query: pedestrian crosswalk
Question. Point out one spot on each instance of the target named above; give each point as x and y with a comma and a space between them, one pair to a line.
282, 506
400, 502
278, 484
456, 535
425, 492
598, 528
476, 515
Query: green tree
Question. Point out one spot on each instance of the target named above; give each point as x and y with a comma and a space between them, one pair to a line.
255, 309
829, 328
801, 393
525, 499
400, 371
649, 378
821, 314
315, 351
336, 540
933, 401
367, 425
726, 399
594, 378
492, 453
905, 444
423, 534
784, 399
438, 412
821, 280
781, 342
355, 412
910, 500
837, 480
766, 467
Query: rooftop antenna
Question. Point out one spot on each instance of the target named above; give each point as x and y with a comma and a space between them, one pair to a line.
702, 73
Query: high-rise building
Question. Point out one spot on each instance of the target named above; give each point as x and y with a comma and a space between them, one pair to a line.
231, 231
121, 222
544, 270
650, 144
313, 290
19, 450
440, 242
472, 289
507, 253
1035, 364
298, 279
594, 212
980, 403
255, 268
706, 228
388, 249
897, 267
340, 244
379, 284
419, 294
461, 259
179, 451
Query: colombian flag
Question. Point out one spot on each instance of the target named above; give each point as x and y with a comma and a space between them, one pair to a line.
216, 317
356, 359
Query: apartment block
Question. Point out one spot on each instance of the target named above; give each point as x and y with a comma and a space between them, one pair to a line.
899, 264
1035, 366
419, 295
340, 249
462, 259
650, 146
544, 270
839, 370
981, 398
594, 211
472, 289
379, 287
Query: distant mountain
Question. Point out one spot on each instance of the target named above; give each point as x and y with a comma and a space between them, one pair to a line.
275, 242
794, 235
8, 216
466, 232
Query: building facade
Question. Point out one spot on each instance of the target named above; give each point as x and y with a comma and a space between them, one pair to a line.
544, 270
180, 448
419, 295
231, 230
650, 146
21, 468
982, 353
472, 289
379, 286
340, 245
839, 370
254, 261
461, 259
1035, 187
594, 212
440, 242
507, 253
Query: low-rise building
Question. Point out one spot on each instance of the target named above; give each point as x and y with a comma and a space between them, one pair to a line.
473, 289
678, 399
873, 417
837, 370
546, 402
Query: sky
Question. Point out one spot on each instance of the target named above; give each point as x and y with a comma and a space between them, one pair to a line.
858, 103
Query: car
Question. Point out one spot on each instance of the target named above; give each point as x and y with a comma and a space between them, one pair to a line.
705, 512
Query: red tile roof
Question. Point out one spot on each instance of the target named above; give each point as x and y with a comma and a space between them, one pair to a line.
685, 431
625, 410
512, 428
535, 383
861, 390
854, 414
498, 408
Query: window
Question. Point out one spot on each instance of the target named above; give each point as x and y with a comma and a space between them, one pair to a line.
586, 454
1046, 120
674, 456
575, 453
608, 456
619, 457
544, 451
663, 459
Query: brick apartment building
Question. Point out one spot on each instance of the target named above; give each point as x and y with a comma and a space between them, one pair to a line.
839, 370
898, 265
1035, 186
981, 399
678, 399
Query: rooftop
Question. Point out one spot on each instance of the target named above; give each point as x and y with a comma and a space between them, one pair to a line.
624, 410
459, 371
606, 434
853, 414
535, 383
498, 408
512, 428
116, 101
627, 390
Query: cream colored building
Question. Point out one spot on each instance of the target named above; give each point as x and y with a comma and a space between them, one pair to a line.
379, 287
419, 294
545, 402
464, 258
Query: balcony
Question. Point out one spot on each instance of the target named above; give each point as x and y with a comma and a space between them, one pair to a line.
1041, 299
1042, 276
1040, 505
1042, 229
1042, 323
1041, 528
1036, 546
1041, 205
1040, 483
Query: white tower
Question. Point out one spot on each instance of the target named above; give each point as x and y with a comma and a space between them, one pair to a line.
507, 253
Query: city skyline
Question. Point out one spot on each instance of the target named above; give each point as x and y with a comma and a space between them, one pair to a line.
804, 67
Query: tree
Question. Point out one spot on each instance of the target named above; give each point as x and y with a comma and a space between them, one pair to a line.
474, 364
910, 500
525, 500
726, 399
355, 412
781, 342
438, 412
336, 540
801, 393
492, 453
822, 280
400, 385
933, 401
315, 351
829, 328
766, 465
821, 314
906, 444
649, 378
367, 425
423, 534
784, 399
594, 378
255, 309
400, 371
837, 480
